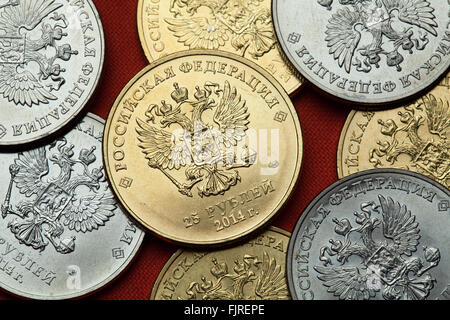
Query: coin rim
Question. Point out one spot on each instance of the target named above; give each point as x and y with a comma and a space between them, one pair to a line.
248, 64
340, 150
145, 47
373, 103
312, 204
179, 252
83, 105
112, 277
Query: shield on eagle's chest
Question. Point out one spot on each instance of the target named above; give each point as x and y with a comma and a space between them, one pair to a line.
434, 159
208, 147
12, 50
234, 14
374, 14
386, 264
52, 202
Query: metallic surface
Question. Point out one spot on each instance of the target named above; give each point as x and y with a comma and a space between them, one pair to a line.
51, 58
251, 271
368, 52
241, 27
414, 137
378, 234
63, 235
191, 192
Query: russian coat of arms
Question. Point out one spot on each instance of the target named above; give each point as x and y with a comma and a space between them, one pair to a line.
430, 157
207, 138
243, 23
385, 245
29, 35
250, 279
56, 191
393, 26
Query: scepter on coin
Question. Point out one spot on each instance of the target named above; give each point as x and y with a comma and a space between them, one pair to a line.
13, 170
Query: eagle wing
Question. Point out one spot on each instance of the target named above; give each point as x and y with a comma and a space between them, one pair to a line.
342, 37
416, 12
199, 32
346, 283
160, 149
22, 87
33, 165
91, 212
400, 226
232, 116
27, 14
438, 113
272, 283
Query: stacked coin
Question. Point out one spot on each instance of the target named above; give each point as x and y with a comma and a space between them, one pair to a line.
63, 234
251, 271
243, 28
210, 124
371, 53
51, 58
377, 234
413, 137
359, 239
203, 161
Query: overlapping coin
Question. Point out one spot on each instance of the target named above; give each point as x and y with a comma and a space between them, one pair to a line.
240, 27
370, 52
377, 234
203, 147
63, 235
51, 57
415, 137
251, 271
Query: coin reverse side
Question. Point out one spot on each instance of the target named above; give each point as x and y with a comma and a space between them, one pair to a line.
372, 52
378, 234
244, 28
51, 58
63, 235
251, 271
414, 137
203, 147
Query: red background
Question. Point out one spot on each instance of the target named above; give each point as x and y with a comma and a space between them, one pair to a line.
321, 121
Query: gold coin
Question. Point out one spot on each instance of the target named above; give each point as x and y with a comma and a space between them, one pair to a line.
415, 137
251, 271
240, 27
203, 147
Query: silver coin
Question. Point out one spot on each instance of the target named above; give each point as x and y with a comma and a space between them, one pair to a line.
62, 234
370, 52
379, 234
51, 58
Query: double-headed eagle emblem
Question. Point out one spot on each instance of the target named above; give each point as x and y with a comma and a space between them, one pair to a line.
27, 75
430, 157
242, 22
386, 265
74, 196
250, 279
207, 137
392, 24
